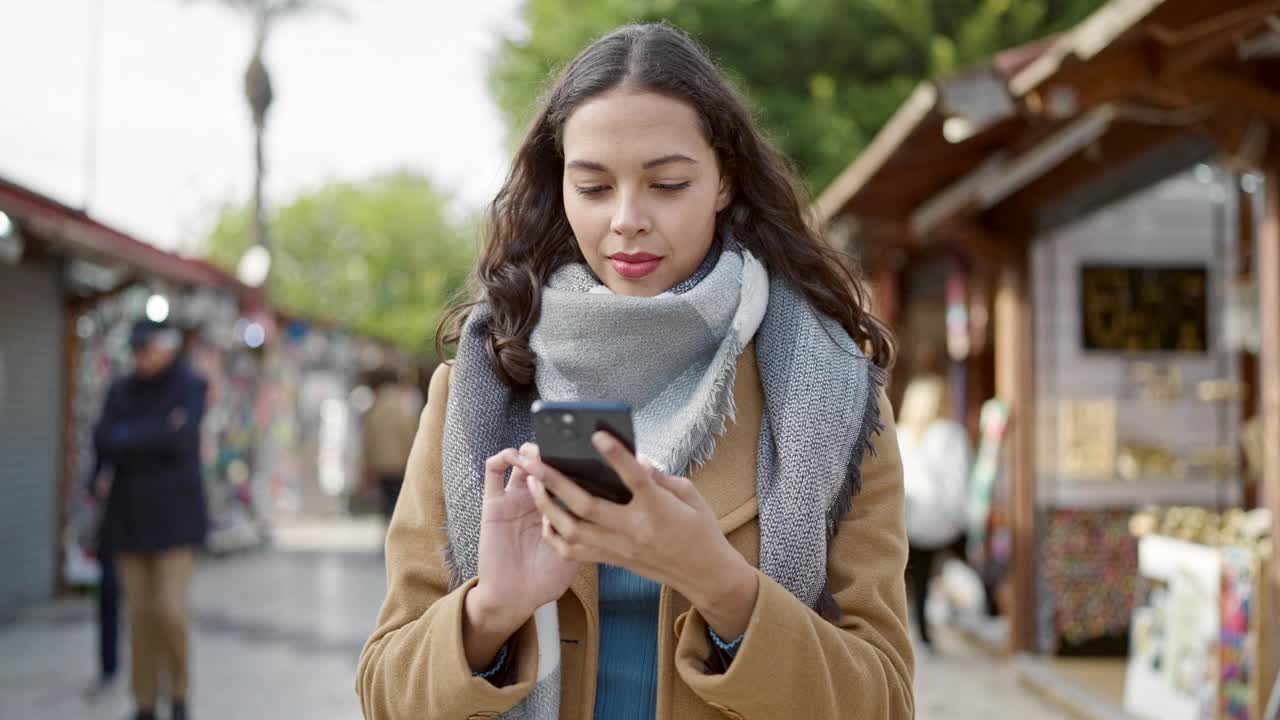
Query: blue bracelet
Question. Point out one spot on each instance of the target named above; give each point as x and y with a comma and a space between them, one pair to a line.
496, 666
731, 648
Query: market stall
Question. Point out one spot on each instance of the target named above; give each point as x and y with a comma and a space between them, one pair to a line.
1118, 187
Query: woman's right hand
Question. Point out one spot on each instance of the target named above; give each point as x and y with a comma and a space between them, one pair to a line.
519, 572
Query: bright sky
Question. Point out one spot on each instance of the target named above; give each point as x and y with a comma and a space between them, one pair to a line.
400, 84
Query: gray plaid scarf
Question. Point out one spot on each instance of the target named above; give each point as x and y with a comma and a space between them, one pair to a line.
673, 358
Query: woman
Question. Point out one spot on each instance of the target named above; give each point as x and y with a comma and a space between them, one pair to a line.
649, 246
935, 464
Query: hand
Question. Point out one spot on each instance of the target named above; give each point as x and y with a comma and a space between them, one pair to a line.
101, 488
177, 418
519, 571
667, 533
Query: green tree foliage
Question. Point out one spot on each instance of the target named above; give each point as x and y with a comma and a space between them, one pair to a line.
382, 257
823, 75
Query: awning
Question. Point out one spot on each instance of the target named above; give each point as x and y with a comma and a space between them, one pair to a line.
73, 232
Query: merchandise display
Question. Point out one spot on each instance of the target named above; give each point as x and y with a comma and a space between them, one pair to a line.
1090, 569
1200, 630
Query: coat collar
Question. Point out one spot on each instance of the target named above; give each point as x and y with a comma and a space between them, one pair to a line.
728, 480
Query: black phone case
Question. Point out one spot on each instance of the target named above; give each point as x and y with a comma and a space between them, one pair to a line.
563, 432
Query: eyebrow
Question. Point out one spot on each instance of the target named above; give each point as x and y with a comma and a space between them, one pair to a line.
664, 160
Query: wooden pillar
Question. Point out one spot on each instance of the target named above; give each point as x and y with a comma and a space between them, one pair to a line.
1267, 264
1015, 383
1248, 361
68, 473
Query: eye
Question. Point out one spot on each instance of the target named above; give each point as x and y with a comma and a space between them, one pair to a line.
671, 187
590, 190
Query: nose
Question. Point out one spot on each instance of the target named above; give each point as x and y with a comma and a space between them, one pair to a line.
630, 218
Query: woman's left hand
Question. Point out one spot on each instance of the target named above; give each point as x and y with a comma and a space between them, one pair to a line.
667, 533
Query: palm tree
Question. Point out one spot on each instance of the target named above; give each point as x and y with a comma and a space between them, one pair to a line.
265, 15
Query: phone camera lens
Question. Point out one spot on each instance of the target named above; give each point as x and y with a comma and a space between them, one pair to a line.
567, 418
567, 433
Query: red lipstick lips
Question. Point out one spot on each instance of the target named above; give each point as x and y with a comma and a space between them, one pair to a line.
634, 266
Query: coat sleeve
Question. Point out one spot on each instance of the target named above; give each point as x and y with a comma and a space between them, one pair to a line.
414, 666
118, 438
861, 660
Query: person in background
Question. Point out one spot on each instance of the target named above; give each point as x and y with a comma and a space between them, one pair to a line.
389, 429
156, 516
935, 467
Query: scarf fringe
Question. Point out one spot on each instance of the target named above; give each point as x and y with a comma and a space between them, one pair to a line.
714, 420
456, 578
872, 425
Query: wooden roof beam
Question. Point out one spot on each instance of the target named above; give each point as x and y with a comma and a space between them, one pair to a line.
922, 101
1232, 94
982, 244
1121, 146
1192, 47
1225, 21
1001, 176
1083, 42
1145, 72
1078, 88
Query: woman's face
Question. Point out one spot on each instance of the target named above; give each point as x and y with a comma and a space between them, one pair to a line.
641, 190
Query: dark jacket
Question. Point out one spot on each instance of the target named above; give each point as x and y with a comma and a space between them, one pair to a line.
150, 435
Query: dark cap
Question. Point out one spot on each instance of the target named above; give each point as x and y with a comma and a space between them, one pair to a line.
145, 330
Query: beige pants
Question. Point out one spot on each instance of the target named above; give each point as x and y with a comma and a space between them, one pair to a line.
156, 586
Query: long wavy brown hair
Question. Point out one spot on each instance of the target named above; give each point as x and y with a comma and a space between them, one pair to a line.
528, 236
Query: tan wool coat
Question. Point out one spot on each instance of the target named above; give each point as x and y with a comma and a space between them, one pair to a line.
792, 663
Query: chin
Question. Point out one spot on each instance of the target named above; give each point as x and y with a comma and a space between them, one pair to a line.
640, 287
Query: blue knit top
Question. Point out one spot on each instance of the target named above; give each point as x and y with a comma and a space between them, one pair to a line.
627, 670
627, 675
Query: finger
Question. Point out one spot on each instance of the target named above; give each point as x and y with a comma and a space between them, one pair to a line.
582, 552
574, 529
519, 474
495, 472
517, 480
681, 487
623, 462
557, 543
572, 551
608, 549
579, 501
544, 501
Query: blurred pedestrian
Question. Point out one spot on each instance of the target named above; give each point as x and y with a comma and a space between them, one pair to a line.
389, 429
99, 487
935, 469
156, 515
649, 247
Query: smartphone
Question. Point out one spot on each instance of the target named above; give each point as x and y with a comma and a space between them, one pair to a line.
563, 432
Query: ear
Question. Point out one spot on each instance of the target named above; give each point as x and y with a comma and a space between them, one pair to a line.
725, 196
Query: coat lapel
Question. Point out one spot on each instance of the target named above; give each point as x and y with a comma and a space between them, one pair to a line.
728, 480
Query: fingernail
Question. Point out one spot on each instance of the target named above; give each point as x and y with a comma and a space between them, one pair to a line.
604, 441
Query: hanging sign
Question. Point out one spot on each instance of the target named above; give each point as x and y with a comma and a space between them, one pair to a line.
1144, 308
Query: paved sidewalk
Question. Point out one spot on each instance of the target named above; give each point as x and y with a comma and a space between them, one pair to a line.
277, 635
961, 682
